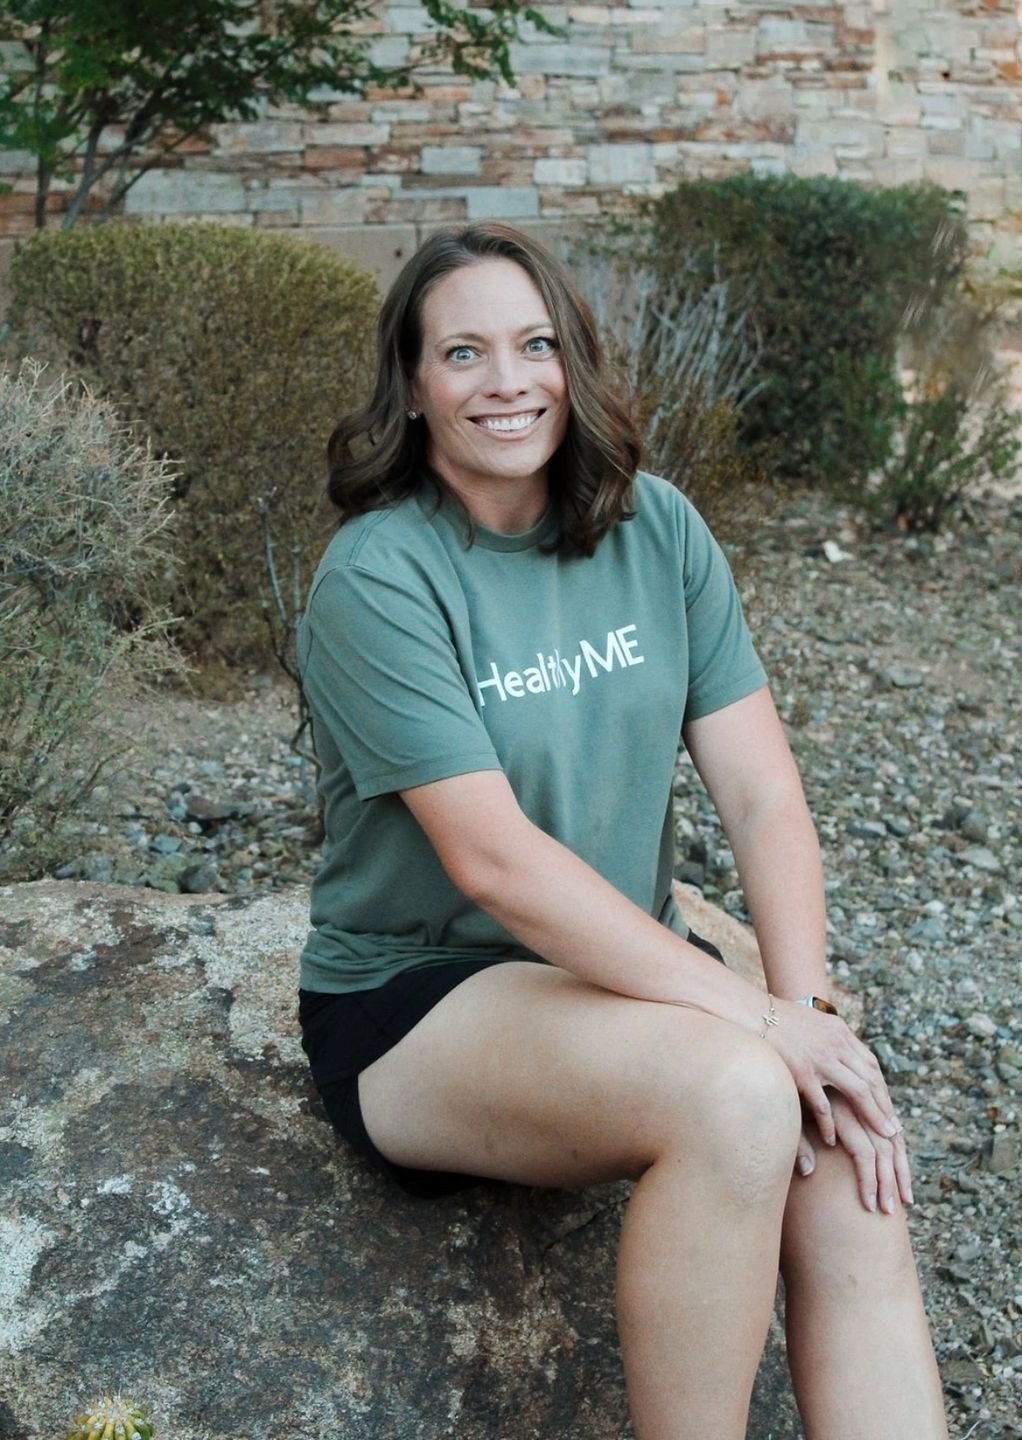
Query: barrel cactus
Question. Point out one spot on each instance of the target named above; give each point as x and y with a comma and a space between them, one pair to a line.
112, 1418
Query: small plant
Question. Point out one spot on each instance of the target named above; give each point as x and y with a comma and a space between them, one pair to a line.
282, 610
83, 510
688, 355
954, 431
112, 1418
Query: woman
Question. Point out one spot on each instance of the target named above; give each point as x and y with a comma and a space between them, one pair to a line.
501, 646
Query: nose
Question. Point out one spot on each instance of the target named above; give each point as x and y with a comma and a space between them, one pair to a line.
506, 375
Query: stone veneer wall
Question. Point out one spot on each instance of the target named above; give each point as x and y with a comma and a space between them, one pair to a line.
634, 97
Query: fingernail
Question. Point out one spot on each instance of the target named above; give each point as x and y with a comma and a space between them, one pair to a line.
891, 1129
911, 1197
888, 1204
872, 1202
805, 1165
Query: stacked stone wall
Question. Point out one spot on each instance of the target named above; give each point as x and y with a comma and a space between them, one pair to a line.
631, 98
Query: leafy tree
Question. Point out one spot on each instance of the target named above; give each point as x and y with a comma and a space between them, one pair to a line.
150, 76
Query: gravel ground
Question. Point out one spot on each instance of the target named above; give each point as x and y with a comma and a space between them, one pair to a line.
896, 667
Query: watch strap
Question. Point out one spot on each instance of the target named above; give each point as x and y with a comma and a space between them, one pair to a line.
817, 1002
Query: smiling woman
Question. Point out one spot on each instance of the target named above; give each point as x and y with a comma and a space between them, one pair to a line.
495, 404
487, 342
503, 644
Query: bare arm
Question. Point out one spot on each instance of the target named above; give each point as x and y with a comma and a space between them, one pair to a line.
557, 906
743, 759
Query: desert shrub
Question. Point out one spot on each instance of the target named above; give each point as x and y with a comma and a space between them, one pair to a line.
831, 267
953, 431
687, 355
234, 350
83, 551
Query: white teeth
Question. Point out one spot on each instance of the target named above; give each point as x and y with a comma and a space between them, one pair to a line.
513, 422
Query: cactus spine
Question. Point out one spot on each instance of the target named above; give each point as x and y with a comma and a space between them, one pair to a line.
112, 1418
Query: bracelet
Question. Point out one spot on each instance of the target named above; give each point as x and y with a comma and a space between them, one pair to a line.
770, 1018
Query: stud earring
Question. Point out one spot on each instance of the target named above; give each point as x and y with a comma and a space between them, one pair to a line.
412, 414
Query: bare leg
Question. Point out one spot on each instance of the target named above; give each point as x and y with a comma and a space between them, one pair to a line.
858, 1342
526, 1073
696, 1282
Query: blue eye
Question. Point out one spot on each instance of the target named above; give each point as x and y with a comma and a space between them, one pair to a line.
460, 352
547, 345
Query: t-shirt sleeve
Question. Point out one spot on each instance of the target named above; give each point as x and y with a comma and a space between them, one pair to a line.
723, 665
382, 678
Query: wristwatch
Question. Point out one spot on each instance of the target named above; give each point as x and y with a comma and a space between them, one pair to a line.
817, 1002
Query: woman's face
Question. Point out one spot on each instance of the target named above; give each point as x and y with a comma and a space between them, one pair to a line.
490, 384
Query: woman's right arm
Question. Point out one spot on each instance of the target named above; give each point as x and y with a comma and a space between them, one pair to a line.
556, 905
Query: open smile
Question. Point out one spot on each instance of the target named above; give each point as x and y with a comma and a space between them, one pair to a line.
512, 425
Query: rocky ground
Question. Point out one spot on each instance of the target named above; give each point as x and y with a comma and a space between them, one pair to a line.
896, 666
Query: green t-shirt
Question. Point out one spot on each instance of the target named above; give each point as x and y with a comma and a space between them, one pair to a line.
425, 656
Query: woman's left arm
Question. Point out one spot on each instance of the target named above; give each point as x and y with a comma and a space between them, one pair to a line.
743, 758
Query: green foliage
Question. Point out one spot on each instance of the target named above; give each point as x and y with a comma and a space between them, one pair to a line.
236, 350
833, 269
162, 72
83, 553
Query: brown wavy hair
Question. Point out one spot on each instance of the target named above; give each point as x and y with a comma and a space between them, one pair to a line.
376, 457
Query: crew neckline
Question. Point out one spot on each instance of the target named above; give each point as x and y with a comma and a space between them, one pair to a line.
473, 533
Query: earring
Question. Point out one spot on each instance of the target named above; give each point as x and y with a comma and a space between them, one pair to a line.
412, 414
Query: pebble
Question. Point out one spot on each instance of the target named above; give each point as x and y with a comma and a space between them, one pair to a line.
980, 858
1002, 1156
981, 1025
929, 929
975, 826
867, 829
902, 677
961, 1372
197, 879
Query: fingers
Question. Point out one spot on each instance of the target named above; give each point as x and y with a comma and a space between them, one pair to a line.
855, 1139
902, 1172
881, 1164
805, 1158
822, 1051
862, 1096
817, 1103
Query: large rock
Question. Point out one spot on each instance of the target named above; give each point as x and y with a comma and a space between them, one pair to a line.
179, 1222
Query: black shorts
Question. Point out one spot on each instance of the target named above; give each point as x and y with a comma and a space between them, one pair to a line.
343, 1034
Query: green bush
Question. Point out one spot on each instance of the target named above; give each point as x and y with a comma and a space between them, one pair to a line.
833, 269
83, 552
235, 350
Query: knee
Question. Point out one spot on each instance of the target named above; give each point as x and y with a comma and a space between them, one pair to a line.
746, 1121
754, 1109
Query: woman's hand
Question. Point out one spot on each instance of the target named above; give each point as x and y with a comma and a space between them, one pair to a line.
822, 1052
881, 1165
